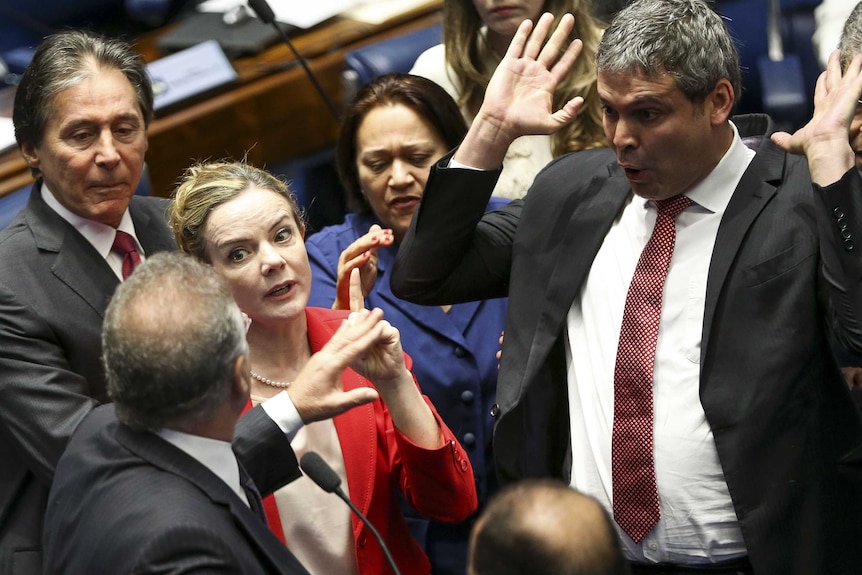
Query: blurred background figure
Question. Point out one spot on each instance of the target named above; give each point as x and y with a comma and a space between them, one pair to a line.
246, 224
543, 527
392, 133
475, 37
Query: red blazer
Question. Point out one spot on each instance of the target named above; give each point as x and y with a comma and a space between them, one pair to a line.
438, 483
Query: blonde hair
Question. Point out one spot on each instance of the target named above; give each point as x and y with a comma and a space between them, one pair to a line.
204, 187
467, 51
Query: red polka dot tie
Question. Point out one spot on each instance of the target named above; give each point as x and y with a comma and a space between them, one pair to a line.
124, 245
635, 496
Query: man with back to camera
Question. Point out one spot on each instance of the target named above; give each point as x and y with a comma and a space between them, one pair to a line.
81, 111
705, 411
150, 483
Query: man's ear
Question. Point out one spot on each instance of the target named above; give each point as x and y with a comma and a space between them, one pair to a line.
241, 381
720, 102
30, 156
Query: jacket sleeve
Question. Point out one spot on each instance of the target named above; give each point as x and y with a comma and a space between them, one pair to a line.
438, 483
454, 252
43, 399
840, 229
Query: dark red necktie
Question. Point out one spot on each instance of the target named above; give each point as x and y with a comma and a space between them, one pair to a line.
635, 497
124, 245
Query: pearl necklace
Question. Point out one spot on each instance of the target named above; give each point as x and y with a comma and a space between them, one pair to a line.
272, 382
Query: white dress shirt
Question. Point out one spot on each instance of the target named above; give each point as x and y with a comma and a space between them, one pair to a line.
698, 523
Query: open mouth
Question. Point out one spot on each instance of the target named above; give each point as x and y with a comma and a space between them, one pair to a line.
281, 290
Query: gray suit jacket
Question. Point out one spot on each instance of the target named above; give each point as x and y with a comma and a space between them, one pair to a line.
784, 424
130, 502
54, 289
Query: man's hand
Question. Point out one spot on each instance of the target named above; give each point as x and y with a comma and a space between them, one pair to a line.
519, 98
825, 140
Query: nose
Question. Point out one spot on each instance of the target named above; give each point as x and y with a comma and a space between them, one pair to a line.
622, 135
400, 174
106, 152
270, 258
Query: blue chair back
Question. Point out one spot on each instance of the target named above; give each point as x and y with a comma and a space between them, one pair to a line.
395, 54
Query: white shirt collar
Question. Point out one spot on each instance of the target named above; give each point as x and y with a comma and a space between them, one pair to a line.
215, 455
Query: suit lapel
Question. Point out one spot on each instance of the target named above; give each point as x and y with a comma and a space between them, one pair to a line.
755, 189
151, 229
77, 263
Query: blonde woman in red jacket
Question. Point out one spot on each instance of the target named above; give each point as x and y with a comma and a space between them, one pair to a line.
246, 224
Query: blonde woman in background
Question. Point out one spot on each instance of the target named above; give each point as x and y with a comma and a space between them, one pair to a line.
476, 34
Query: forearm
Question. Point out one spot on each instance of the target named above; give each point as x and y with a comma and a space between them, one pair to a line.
410, 414
452, 254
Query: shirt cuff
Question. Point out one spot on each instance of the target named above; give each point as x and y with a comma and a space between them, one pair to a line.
455, 164
283, 413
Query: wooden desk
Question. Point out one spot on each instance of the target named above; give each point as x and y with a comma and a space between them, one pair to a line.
273, 114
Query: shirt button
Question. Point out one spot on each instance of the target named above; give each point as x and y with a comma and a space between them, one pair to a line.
849, 245
653, 545
459, 351
469, 439
495, 410
838, 212
467, 396
463, 465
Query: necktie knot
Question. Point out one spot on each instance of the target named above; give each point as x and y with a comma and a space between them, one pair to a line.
125, 246
672, 207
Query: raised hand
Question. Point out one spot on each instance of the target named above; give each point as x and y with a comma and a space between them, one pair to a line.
361, 255
519, 97
825, 138
316, 391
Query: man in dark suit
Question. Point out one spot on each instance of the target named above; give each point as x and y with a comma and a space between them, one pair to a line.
745, 432
80, 114
150, 483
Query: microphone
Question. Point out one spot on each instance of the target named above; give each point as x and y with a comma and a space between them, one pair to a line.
319, 471
264, 12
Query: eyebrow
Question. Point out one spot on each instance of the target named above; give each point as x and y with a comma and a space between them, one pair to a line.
279, 223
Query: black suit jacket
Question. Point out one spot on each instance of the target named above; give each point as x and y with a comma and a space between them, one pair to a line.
54, 289
780, 276
130, 502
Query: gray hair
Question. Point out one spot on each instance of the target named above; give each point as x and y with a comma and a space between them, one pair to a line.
171, 337
63, 61
851, 37
685, 38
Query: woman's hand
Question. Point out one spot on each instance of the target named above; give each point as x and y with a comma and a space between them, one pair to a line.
316, 392
361, 255
383, 361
